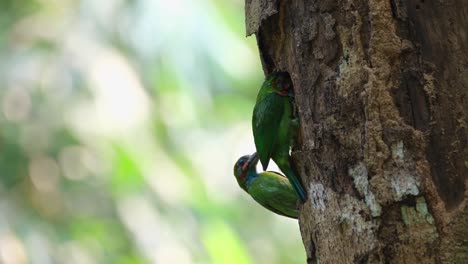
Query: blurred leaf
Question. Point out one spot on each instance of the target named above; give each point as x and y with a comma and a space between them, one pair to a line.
13, 161
126, 176
222, 244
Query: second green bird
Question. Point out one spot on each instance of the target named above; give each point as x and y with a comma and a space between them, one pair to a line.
274, 126
270, 189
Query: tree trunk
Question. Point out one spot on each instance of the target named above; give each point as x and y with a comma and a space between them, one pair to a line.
381, 93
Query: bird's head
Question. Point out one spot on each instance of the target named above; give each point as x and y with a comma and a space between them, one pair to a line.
243, 166
281, 83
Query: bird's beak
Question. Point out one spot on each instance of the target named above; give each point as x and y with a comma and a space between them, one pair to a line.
253, 160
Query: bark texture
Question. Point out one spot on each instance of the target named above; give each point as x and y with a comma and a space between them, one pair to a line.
381, 92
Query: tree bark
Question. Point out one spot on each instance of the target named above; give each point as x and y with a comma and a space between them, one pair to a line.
381, 93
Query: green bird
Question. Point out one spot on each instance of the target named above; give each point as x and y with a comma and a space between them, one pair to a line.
270, 189
274, 126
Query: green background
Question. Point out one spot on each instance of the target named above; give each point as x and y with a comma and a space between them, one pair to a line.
120, 123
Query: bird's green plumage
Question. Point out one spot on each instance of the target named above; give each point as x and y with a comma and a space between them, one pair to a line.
273, 126
274, 192
270, 189
267, 120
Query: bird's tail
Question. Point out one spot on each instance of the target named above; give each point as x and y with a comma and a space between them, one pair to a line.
296, 184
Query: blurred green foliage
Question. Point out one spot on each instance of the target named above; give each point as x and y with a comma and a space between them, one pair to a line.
120, 122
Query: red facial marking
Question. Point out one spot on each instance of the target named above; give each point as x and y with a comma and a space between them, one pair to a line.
283, 92
243, 175
244, 171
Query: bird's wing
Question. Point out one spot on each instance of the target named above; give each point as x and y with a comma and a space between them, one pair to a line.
277, 173
266, 120
274, 192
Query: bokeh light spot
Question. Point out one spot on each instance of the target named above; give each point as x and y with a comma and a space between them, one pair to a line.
12, 250
44, 173
71, 162
16, 104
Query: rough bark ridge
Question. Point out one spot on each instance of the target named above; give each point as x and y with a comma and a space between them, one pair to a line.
381, 90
